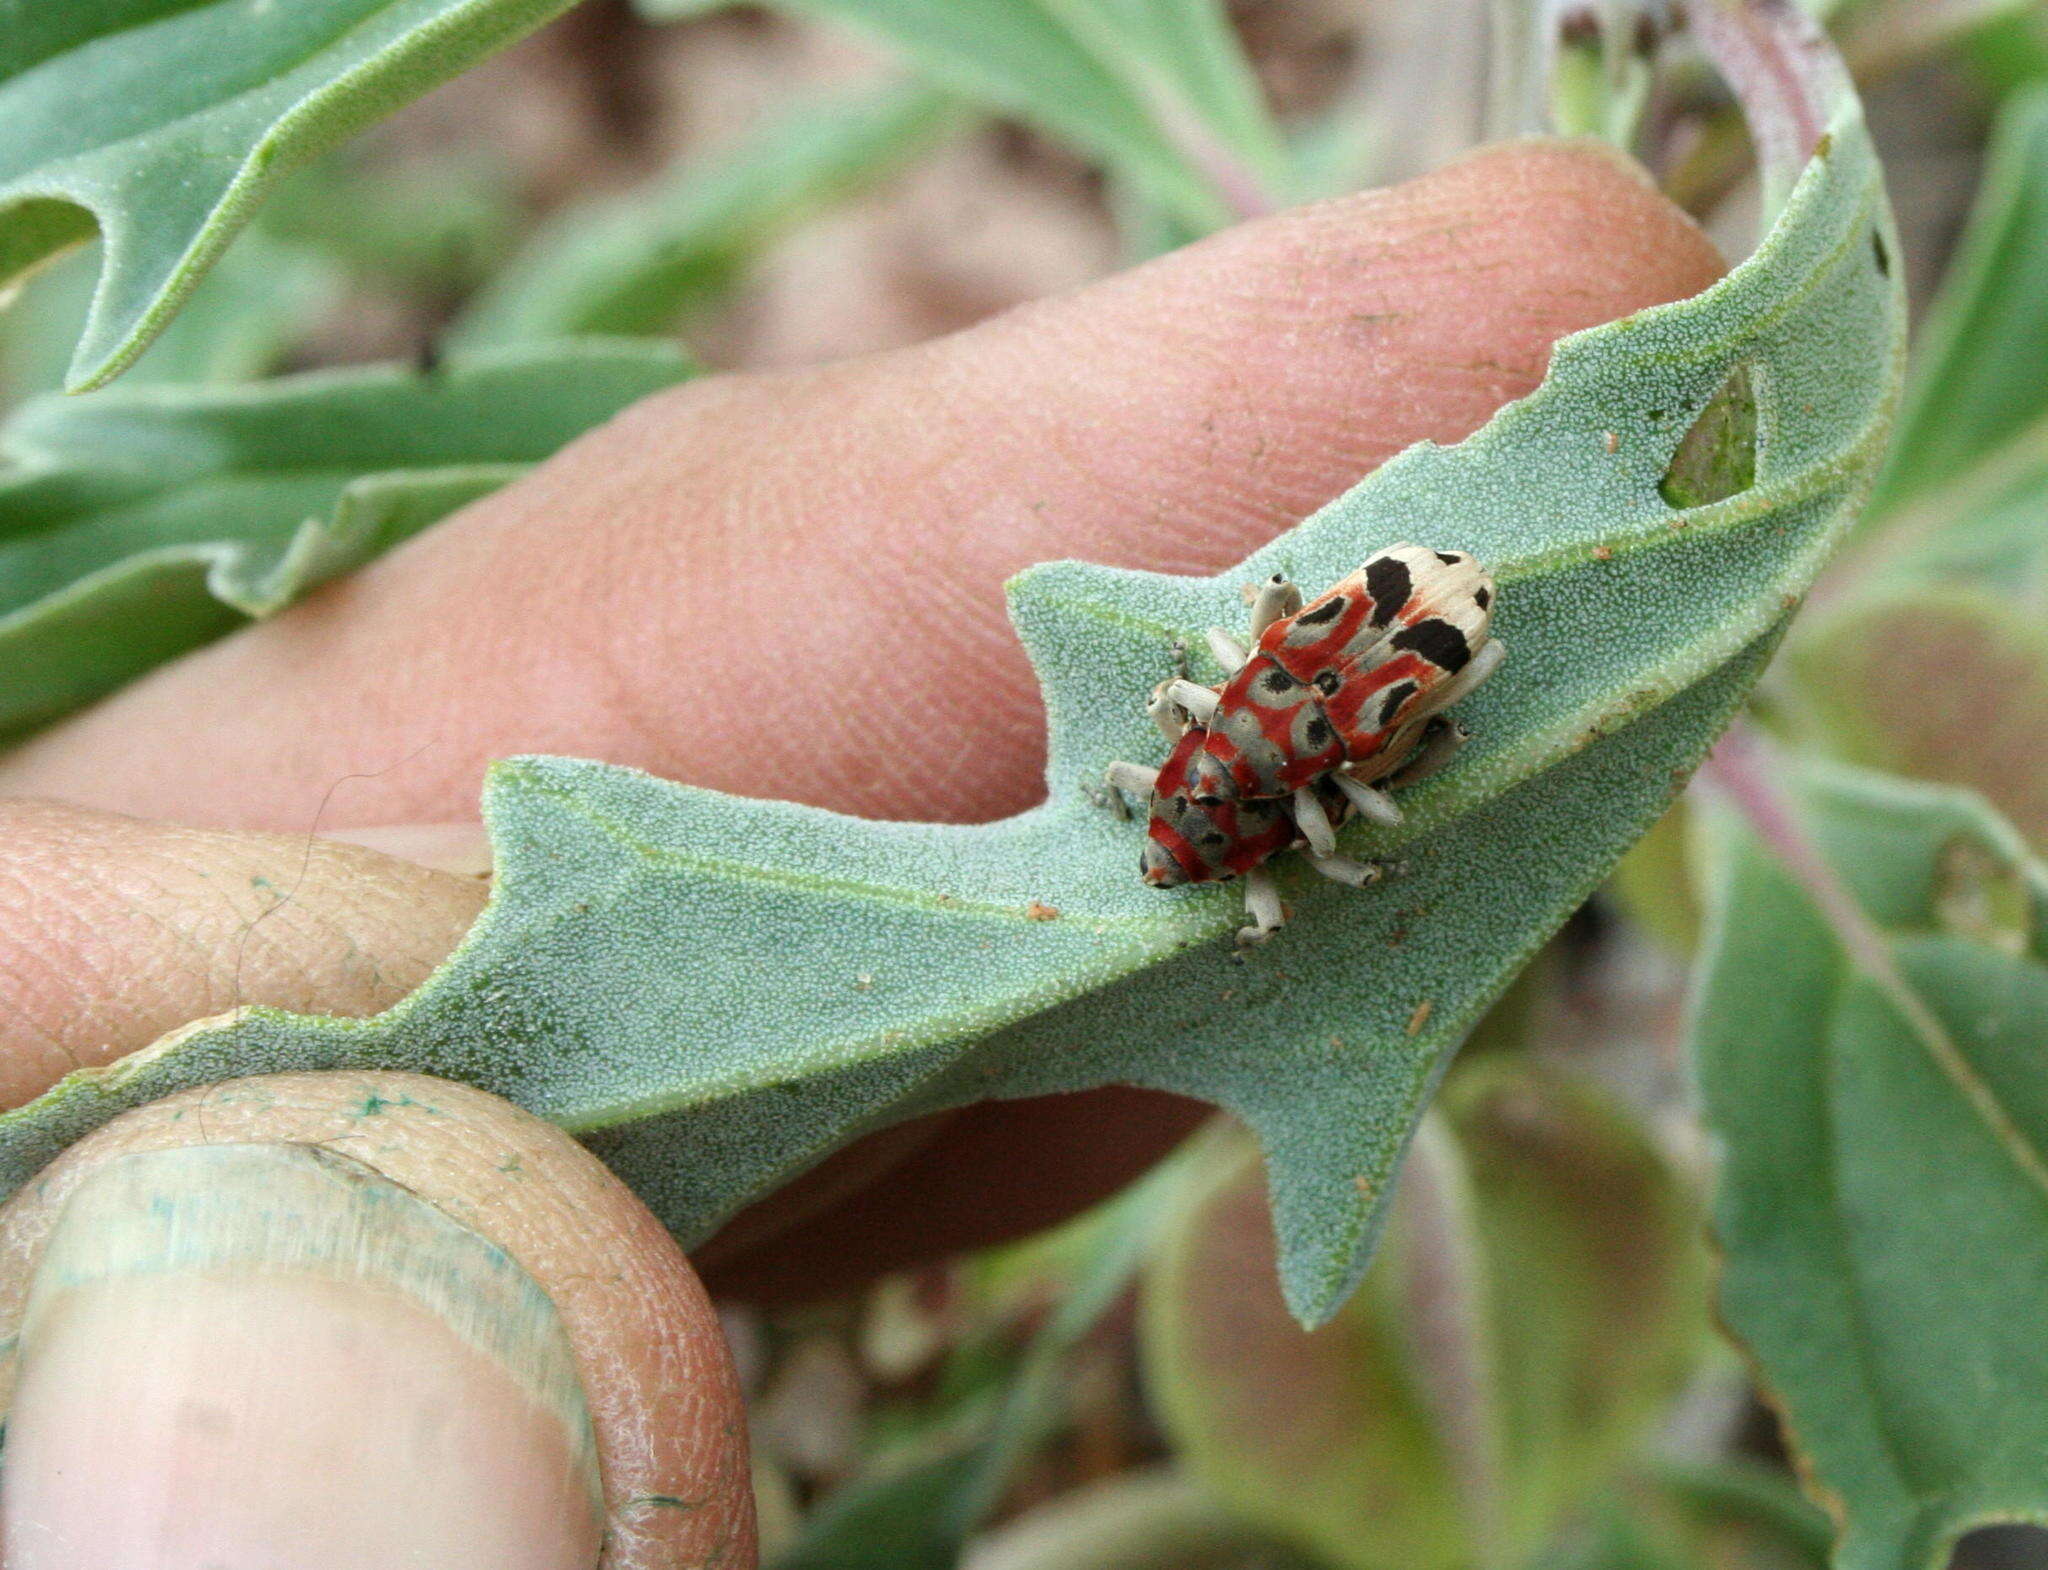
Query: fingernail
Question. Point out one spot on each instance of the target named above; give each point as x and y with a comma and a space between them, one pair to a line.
263, 1355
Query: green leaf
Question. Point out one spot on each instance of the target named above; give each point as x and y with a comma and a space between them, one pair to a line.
1983, 723
1729, 1516
137, 523
1869, 1035
1158, 89
159, 124
635, 263
238, 324
1977, 380
1540, 1295
714, 993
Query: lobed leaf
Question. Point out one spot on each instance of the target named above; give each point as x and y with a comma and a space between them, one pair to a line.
1870, 1036
714, 993
138, 523
158, 124
635, 263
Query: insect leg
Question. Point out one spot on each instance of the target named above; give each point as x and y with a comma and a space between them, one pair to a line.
1200, 702
1314, 823
1342, 869
1437, 749
1262, 904
1133, 777
1166, 714
1230, 654
1276, 598
1374, 805
1118, 778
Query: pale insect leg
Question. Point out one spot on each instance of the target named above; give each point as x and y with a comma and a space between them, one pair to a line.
1121, 777
1437, 751
1276, 598
1342, 869
1200, 702
1166, 714
1314, 823
1262, 904
1230, 654
1375, 806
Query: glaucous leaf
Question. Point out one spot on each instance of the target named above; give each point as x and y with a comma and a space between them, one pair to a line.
1158, 89
1540, 1294
1869, 1034
139, 522
634, 263
158, 125
715, 992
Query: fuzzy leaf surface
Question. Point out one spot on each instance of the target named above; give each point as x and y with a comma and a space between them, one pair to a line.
158, 125
139, 522
714, 993
1873, 1069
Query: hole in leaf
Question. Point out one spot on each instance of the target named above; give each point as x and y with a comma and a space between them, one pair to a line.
1979, 896
1716, 459
2018, 1546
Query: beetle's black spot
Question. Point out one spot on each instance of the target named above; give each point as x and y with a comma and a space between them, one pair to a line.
1437, 641
1882, 256
1448, 559
1329, 610
1208, 801
1389, 582
1328, 683
1482, 596
1318, 732
1213, 837
1278, 681
1397, 695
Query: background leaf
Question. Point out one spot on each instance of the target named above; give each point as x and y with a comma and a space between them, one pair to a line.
1158, 89
137, 523
238, 323
159, 123
1870, 1035
635, 263
1538, 1299
715, 993
1983, 721
1977, 381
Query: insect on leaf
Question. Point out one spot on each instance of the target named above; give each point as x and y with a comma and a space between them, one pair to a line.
715, 993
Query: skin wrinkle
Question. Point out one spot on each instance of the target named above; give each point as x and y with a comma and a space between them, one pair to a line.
121, 930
